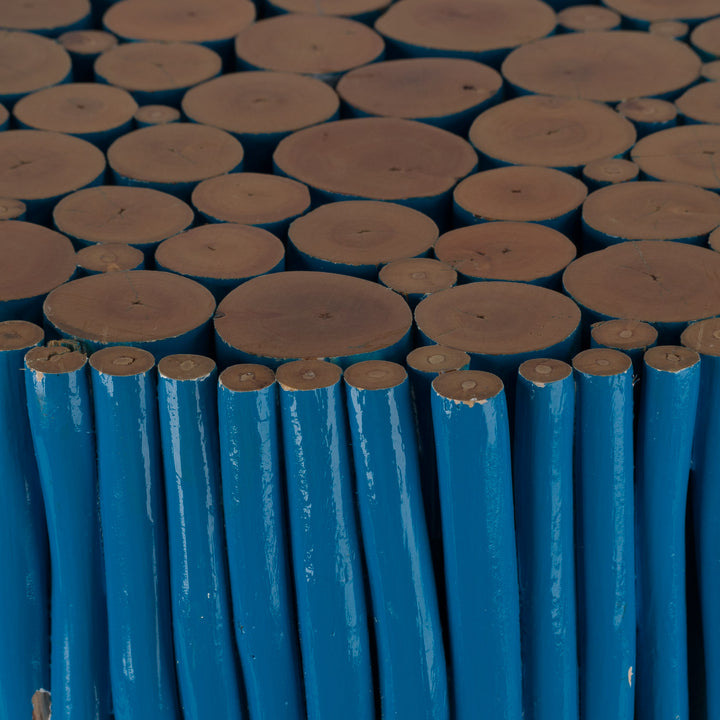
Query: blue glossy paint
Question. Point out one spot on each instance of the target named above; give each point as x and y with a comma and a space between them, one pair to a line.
208, 671
543, 483
61, 421
24, 562
132, 510
254, 492
664, 441
411, 657
327, 563
472, 441
605, 550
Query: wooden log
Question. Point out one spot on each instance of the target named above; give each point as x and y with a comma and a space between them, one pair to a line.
109, 257
587, 18
640, 13
364, 11
704, 38
417, 278
609, 171
12, 209
631, 337
649, 115
156, 115
711, 70
700, 104
674, 29
85, 46
50, 18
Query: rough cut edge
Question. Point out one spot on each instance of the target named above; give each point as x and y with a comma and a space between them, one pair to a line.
41, 705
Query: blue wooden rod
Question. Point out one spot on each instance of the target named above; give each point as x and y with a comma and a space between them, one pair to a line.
472, 441
327, 560
543, 482
132, 509
669, 398
631, 337
411, 657
24, 563
61, 421
254, 504
207, 665
605, 549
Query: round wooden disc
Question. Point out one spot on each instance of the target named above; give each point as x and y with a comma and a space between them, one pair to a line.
129, 307
497, 318
610, 171
375, 375
11, 209
246, 377
654, 10
624, 334
76, 108
650, 280
376, 158
647, 110
602, 362
29, 62
115, 214
123, 361
221, 250
311, 44
37, 164
652, 211
173, 153
157, 115
186, 367
34, 260
19, 334
42, 15
311, 314
251, 198
87, 42
669, 28
521, 193
308, 375
54, 359
607, 66
469, 26
541, 371
261, 102
701, 103
363, 232
686, 154
551, 131
703, 337
711, 70
437, 359
506, 251
671, 358
332, 7
468, 386
417, 88
585, 18
417, 276
109, 257
706, 37
156, 66
196, 21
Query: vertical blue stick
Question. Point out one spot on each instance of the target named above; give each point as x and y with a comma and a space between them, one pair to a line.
543, 473
411, 657
472, 440
61, 421
258, 550
327, 562
666, 424
25, 621
134, 534
605, 550
208, 673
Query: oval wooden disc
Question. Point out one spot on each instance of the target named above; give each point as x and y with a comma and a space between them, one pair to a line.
251, 198
46, 16
417, 88
185, 366
470, 26
541, 371
54, 359
129, 307
311, 314
498, 318
19, 334
706, 37
610, 171
551, 131
703, 337
157, 66
607, 66
173, 153
521, 193
437, 359
701, 103
601, 362
654, 10
246, 377
669, 28
506, 251
87, 42
647, 110
30, 62
711, 70
686, 154
34, 260
332, 7
261, 102
584, 18
115, 214
76, 108
157, 115
221, 250
417, 276
376, 158
109, 257
179, 20
37, 164
468, 386
311, 44
671, 358
623, 334
375, 375
652, 211
308, 374
650, 280
363, 232
122, 361
11, 209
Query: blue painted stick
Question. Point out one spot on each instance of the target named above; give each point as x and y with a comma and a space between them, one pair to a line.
411, 657
327, 563
134, 534
472, 441
605, 551
669, 398
61, 421
25, 626
543, 481
258, 550
208, 672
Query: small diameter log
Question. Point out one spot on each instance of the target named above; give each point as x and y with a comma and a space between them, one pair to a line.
46, 17
417, 278
704, 38
631, 337
109, 257
12, 209
587, 18
649, 115
609, 171
642, 13
85, 47
711, 70
700, 104
364, 11
156, 115
674, 29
